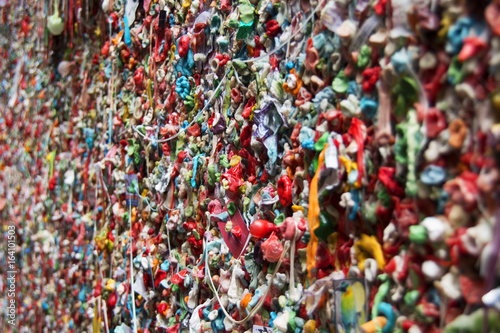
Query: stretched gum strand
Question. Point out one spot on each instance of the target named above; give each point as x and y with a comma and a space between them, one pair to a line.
313, 215
262, 298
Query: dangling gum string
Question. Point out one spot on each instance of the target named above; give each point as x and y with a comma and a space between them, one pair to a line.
110, 86
101, 179
425, 102
44, 272
356, 131
97, 318
126, 286
155, 67
422, 96
95, 219
151, 65
292, 265
105, 315
150, 46
147, 158
132, 267
232, 261
262, 298
313, 215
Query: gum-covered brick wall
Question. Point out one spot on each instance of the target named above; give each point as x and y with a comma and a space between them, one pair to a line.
250, 165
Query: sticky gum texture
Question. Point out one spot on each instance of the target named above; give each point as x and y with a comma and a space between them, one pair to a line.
149, 147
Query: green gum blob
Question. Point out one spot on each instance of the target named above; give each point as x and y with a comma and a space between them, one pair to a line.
189, 211
224, 161
320, 144
279, 219
172, 321
411, 298
406, 91
227, 99
247, 11
233, 22
291, 321
246, 202
319, 66
247, 16
381, 293
194, 148
239, 65
414, 138
188, 176
211, 178
418, 234
231, 208
326, 226
223, 44
474, 322
340, 83
369, 210
455, 73
196, 234
215, 23
364, 56
189, 102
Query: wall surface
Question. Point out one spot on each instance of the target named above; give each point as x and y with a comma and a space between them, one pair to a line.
249, 166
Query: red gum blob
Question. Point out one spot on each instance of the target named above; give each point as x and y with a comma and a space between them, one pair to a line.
272, 248
262, 228
183, 46
285, 190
